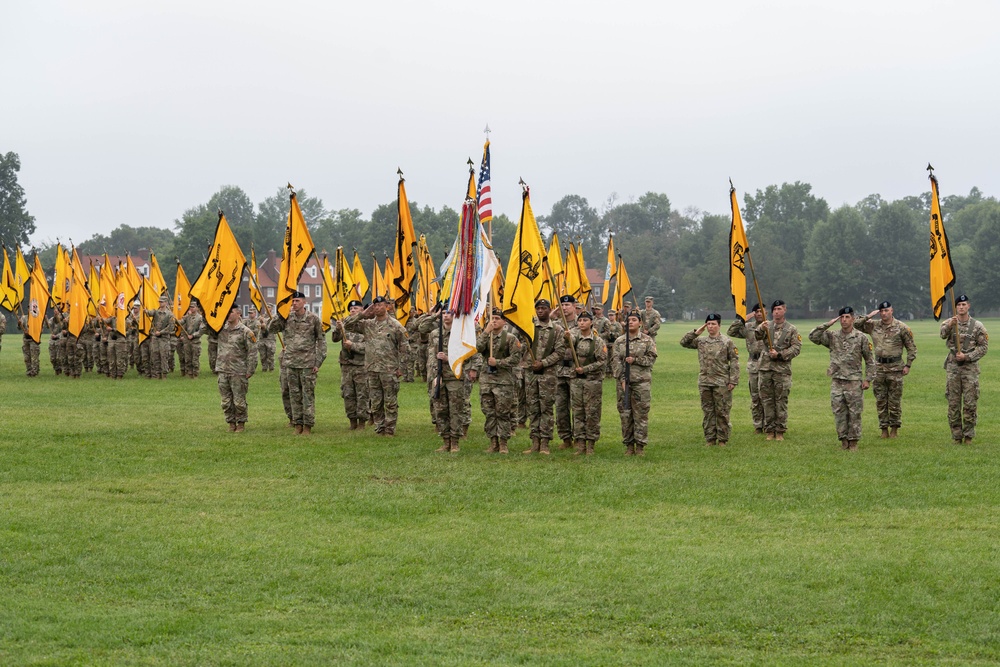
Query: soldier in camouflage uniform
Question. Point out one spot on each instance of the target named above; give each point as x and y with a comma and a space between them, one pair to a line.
634, 355
615, 329
89, 337
718, 375
132, 338
585, 387
962, 368
385, 354
161, 330
651, 319
253, 323
889, 337
848, 348
775, 369
117, 349
29, 348
266, 344
564, 374
235, 365
353, 378
213, 346
497, 395
101, 334
755, 348
304, 354
57, 330
546, 352
412, 359
194, 327
520, 378
448, 395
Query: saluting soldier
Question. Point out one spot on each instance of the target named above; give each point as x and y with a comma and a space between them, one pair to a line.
304, 354
775, 369
634, 355
585, 387
385, 354
755, 348
235, 365
540, 378
497, 393
353, 378
890, 338
718, 375
848, 349
967, 342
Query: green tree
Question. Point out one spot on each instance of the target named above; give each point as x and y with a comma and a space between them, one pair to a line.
16, 224
837, 264
125, 238
977, 271
575, 220
897, 239
268, 225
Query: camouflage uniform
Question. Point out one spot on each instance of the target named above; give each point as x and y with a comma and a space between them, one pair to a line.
540, 385
88, 342
161, 330
963, 376
755, 348
353, 378
564, 403
254, 324
718, 367
847, 350
57, 327
235, 364
213, 346
889, 341
651, 321
194, 324
132, 341
305, 350
615, 329
586, 390
497, 396
30, 349
266, 345
101, 335
634, 412
520, 378
385, 354
449, 398
412, 359
117, 349
286, 401
775, 375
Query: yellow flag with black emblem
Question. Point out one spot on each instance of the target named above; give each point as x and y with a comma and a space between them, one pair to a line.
738, 248
942, 270
524, 271
221, 276
298, 248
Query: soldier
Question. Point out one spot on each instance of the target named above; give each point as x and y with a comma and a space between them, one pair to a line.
235, 365
651, 319
497, 395
160, 331
890, 337
411, 354
540, 379
775, 369
132, 337
520, 378
213, 346
57, 327
848, 348
194, 326
266, 344
353, 379
117, 348
615, 329
634, 356
304, 353
385, 354
448, 393
29, 348
967, 342
585, 388
718, 375
564, 374
755, 348
89, 336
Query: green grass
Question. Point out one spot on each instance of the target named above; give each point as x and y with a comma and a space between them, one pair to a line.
135, 530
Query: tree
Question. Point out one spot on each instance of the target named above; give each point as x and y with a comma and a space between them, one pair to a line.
898, 237
126, 239
268, 226
574, 219
978, 275
16, 224
837, 266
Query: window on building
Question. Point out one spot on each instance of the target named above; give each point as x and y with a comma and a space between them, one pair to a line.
305, 290
270, 292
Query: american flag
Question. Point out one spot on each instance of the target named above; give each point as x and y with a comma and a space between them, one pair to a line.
483, 193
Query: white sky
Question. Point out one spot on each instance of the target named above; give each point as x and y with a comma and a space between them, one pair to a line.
132, 112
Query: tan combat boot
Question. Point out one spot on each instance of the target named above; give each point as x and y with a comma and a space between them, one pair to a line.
640, 450
445, 447
494, 446
721, 443
503, 447
770, 436
307, 430
852, 445
535, 446
298, 429
894, 432
630, 450
968, 440
232, 427
566, 444
239, 427
884, 434
354, 424
581, 447
843, 443
779, 436
590, 447
454, 445
543, 447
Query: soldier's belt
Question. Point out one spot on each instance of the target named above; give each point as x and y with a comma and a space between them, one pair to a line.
889, 360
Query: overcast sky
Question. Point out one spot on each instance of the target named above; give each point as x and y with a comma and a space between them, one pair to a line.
132, 112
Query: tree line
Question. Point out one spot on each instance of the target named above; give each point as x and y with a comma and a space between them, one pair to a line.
814, 258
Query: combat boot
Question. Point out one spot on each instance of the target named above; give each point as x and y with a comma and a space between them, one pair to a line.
894, 432
543, 447
535, 446
758, 431
494, 446
298, 429
968, 440
306, 430
721, 443
629, 450
884, 434
567, 443
590, 447
852, 445
354, 424
843, 443
581, 447
454, 445
503, 447
779, 436
232, 427
640, 450
445, 447
770, 436
240, 427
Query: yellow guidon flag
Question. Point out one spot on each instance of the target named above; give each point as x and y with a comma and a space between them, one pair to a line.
427, 288
738, 251
623, 285
220, 279
405, 267
182, 292
39, 300
524, 271
298, 248
378, 282
8, 285
360, 279
256, 298
942, 270
612, 269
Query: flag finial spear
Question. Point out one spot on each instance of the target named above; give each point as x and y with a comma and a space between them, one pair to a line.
470, 163
731, 186
487, 131
930, 168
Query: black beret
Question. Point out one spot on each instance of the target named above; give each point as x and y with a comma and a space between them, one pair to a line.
884, 304
635, 314
354, 302
755, 308
298, 295
380, 299
567, 298
777, 303
713, 317
585, 315
846, 310
543, 302
962, 299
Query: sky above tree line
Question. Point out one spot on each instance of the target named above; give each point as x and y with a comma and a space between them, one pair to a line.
131, 113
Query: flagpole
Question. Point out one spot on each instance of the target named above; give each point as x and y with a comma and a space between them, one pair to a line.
753, 276
572, 348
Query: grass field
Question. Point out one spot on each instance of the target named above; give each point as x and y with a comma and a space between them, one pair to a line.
135, 530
